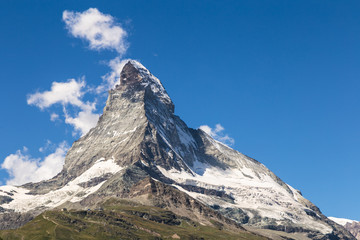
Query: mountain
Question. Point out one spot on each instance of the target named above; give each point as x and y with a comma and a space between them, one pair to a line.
141, 151
351, 225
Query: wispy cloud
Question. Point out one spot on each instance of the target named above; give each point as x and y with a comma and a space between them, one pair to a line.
100, 30
218, 134
22, 168
54, 117
47, 145
68, 93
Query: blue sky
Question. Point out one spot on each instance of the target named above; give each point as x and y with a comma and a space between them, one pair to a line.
281, 77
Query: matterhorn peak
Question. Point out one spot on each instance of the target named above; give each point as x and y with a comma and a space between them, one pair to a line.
134, 77
134, 71
141, 151
130, 74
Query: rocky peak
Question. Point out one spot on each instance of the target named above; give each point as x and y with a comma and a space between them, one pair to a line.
135, 78
130, 74
138, 101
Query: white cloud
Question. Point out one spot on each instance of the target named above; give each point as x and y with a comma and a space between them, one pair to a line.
217, 134
68, 93
100, 30
54, 117
84, 120
22, 168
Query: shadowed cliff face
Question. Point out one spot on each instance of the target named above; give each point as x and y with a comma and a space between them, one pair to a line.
140, 150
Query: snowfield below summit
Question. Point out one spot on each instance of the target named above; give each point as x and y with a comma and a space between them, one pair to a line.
251, 187
73, 192
341, 221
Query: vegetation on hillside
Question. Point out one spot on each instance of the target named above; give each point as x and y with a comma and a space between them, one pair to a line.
120, 220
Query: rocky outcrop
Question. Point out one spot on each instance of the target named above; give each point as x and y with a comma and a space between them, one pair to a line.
12, 219
354, 229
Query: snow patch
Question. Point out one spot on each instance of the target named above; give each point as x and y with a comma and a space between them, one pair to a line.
341, 221
185, 137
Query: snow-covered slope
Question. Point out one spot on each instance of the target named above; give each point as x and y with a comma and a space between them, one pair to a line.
252, 187
138, 137
341, 221
79, 188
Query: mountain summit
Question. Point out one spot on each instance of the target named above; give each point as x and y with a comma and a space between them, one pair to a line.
140, 151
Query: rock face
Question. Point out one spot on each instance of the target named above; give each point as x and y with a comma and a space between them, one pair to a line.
140, 150
354, 229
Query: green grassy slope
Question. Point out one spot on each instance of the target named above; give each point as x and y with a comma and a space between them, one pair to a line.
120, 220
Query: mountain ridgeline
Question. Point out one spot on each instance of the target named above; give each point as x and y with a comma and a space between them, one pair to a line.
139, 151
